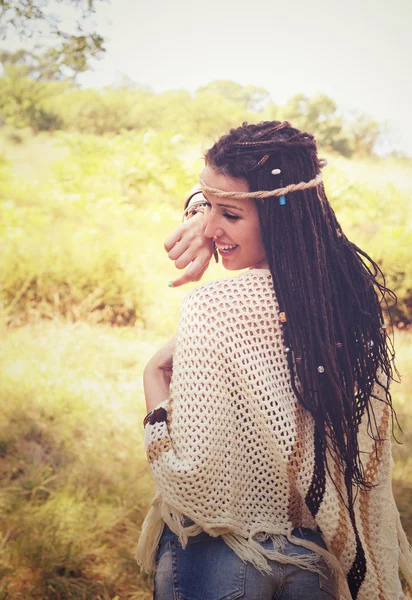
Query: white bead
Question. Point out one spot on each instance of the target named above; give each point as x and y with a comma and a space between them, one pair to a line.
276, 172
321, 369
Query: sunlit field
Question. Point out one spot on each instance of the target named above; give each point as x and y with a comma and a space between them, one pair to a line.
84, 304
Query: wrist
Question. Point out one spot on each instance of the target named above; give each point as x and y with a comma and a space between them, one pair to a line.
194, 209
156, 388
195, 195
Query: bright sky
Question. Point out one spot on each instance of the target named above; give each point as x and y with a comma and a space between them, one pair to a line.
358, 52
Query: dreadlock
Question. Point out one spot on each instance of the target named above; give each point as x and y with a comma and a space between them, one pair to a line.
326, 285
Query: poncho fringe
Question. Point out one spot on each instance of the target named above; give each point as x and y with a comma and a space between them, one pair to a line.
247, 550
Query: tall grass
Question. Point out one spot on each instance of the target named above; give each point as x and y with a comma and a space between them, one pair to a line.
80, 243
75, 484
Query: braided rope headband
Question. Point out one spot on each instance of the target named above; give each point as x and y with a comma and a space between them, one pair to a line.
293, 187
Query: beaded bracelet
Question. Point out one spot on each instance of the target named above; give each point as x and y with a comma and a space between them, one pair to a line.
147, 417
193, 209
194, 206
196, 190
155, 416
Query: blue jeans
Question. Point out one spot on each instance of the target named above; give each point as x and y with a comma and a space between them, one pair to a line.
207, 569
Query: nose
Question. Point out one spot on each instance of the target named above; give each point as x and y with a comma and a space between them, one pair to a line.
212, 228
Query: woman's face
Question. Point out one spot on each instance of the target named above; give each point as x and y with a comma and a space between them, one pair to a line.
233, 224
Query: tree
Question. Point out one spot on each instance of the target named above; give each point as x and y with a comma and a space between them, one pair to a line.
35, 18
319, 115
25, 102
246, 96
39, 67
365, 134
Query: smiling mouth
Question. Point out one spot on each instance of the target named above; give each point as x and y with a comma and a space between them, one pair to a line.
226, 250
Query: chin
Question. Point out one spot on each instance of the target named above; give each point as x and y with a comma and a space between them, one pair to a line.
235, 267
231, 268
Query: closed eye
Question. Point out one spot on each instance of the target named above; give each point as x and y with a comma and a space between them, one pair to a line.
231, 217
225, 214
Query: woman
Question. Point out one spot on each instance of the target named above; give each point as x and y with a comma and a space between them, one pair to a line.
271, 448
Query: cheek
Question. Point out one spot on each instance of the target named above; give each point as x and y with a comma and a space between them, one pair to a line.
256, 236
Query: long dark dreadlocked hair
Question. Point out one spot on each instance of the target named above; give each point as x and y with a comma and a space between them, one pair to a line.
326, 285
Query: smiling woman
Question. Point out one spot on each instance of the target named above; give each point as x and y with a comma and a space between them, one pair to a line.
233, 226
271, 448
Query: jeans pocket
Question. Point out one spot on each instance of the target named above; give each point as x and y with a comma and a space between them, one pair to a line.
327, 583
163, 577
327, 580
207, 569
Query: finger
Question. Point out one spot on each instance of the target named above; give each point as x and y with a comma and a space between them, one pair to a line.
192, 273
190, 229
174, 237
199, 257
200, 275
189, 256
179, 249
191, 246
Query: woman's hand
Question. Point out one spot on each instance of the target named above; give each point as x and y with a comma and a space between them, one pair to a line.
158, 374
187, 245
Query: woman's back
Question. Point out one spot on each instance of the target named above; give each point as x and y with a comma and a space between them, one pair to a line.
231, 380
233, 450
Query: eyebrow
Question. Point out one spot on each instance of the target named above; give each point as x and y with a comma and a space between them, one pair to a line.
228, 206
231, 206
225, 205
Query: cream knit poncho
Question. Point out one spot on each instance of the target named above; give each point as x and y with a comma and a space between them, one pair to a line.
233, 450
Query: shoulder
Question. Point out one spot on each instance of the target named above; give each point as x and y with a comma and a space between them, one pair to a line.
232, 294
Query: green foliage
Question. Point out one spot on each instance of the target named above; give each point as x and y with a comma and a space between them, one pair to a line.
320, 115
135, 169
211, 115
74, 481
85, 241
368, 218
108, 111
33, 65
115, 110
78, 246
24, 102
365, 132
249, 97
42, 20
31, 95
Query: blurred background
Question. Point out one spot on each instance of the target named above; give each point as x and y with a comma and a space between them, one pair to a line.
106, 109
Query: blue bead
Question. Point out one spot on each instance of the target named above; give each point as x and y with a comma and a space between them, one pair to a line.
282, 200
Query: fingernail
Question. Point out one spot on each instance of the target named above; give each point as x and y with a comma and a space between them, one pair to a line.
170, 284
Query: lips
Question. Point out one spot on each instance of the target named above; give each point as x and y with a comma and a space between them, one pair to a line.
227, 249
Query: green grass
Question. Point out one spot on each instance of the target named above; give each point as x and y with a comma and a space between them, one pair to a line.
402, 453
74, 480
30, 155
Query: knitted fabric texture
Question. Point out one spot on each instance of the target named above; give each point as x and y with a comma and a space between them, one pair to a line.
232, 449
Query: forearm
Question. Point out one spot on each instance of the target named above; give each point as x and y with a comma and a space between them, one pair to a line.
156, 386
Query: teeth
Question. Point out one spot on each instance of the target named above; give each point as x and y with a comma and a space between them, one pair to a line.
227, 247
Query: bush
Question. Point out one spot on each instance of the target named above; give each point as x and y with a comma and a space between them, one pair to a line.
85, 241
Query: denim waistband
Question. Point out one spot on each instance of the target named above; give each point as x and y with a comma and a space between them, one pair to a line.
299, 532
